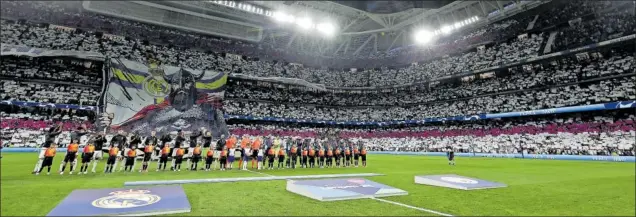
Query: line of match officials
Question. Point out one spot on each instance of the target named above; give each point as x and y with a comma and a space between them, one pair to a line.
124, 150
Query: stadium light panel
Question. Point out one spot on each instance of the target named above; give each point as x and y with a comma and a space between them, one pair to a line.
280, 16
290, 19
304, 22
446, 29
457, 25
327, 29
423, 36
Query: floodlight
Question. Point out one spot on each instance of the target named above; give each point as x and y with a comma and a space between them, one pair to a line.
326, 28
280, 16
446, 29
423, 36
304, 22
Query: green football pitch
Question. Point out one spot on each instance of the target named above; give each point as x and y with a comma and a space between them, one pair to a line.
535, 187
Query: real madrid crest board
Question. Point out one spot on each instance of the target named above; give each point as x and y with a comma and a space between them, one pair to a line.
123, 201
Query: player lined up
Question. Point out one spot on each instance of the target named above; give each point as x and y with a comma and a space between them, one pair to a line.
124, 150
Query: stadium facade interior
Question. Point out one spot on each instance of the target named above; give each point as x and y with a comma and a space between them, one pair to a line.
539, 78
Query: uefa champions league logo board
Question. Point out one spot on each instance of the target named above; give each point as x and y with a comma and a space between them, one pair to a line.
457, 182
341, 189
123, 201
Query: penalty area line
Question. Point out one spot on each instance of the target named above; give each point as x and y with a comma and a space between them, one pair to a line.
412, 207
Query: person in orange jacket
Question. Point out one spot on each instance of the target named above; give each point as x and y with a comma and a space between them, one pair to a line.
71, 154
49, 154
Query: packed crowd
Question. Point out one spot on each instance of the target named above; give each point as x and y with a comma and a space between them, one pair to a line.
599, 133
569, 70
60, 70
616, 89
23, 126
135, 49
596, 133
127, 42
610, 25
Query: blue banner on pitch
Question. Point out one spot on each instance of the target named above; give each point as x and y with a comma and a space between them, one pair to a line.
457, 182
123, 201
341, 189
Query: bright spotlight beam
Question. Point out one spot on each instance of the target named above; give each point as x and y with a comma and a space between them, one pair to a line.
326, 28
304, 22
423, 36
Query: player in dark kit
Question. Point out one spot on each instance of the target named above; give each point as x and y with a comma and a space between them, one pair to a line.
48, 140
153, 140
135, 141
207, 139
118, 141
451, 155
99, 142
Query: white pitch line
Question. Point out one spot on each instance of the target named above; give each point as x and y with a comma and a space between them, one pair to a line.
412, 207
260, 173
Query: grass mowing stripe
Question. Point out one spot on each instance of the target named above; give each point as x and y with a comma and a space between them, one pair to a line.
412, 207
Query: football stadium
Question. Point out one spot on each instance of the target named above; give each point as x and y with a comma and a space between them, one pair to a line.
318, 108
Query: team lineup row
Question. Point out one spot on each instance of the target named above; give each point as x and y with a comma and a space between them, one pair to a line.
304, 153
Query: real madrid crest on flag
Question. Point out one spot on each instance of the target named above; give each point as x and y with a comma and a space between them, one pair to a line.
155, 84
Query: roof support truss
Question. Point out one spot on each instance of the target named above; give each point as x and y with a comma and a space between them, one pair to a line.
394, 40
364, 44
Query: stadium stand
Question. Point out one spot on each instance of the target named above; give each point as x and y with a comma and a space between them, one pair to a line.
598, 77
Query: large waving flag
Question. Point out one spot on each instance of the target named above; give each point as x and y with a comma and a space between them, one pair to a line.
138, 98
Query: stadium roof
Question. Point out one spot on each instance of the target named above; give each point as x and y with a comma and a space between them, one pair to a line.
389, 7
380, 24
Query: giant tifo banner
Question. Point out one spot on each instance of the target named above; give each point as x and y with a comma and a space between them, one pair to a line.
163, 98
